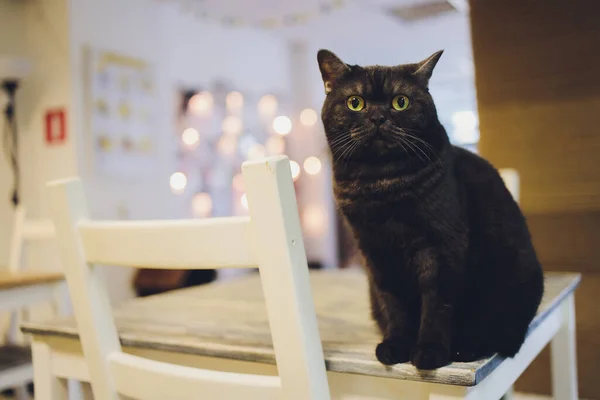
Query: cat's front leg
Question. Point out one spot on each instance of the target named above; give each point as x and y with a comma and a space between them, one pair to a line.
434, 339
396, 323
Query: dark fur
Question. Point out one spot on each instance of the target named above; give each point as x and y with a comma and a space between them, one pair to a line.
453, 273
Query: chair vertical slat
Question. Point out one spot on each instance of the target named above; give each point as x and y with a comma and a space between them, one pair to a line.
285, 279
16, 242
90, 299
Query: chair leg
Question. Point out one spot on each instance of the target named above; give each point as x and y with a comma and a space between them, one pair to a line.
564, 356
509, 395
21, 393
47, 386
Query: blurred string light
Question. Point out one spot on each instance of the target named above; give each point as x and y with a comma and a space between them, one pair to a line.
295, 168
282, 125
234, 101
202, 205
232, 125
190, 137
322, 8
178, 182
267, 105
308, 117
314, 220
244, 201
256, 152
464, 125
201, 103
227, 145
238, 183
275, 145
312, 165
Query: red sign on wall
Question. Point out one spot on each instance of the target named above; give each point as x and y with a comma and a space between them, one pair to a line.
56, 126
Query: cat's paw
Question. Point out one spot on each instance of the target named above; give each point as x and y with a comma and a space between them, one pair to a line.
430, 356
392, 351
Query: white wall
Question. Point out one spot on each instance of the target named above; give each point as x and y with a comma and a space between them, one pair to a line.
37, 30
12, 17
184, 52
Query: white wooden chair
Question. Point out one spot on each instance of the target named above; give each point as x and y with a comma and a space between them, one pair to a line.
511, 179
16, 369
512, 182
270, 239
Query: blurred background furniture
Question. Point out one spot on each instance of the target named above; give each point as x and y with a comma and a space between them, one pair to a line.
20, 289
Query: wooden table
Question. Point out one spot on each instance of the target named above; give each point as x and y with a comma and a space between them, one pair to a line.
224, 326
17, 291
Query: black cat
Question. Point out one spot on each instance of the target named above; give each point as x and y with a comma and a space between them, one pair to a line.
453, 273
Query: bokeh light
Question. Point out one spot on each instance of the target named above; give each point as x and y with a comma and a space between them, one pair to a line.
267, 105
282, 125
202, 205
244, 201
190, 137
201, 103
312, 165
308, 117
238, 183
178, 182
275, 145
227, 145
232, 125
256, 152
234, 101
314, 220
295, 168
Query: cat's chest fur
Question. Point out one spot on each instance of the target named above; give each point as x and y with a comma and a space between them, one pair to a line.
392, 219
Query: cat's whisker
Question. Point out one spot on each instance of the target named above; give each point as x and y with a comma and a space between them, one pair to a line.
416, 143
340, 145
343, 150
414, 147
352, 151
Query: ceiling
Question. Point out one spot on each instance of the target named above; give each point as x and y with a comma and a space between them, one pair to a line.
359, 31
363, 32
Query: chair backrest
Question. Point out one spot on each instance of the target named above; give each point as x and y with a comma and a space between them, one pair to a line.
270, 239
24, 230
512, 182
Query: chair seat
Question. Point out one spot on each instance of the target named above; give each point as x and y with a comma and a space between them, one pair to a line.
12, 356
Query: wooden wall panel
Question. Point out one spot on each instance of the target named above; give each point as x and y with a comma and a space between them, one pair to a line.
538, 90
537, 72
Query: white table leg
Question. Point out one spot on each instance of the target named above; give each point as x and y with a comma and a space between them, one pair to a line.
47, 386
564, 356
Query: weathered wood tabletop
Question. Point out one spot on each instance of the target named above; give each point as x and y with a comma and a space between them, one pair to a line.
229, 320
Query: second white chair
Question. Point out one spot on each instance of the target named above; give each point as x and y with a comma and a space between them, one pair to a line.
270, 239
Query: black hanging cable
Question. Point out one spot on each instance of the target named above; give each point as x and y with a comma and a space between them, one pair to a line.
10, 140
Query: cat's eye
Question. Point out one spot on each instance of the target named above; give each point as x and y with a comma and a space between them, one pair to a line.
400, 102
355, 103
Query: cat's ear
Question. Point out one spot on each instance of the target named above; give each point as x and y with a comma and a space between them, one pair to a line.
425, 67
332, 68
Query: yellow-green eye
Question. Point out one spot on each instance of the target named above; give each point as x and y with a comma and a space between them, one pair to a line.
400, 103
355, 103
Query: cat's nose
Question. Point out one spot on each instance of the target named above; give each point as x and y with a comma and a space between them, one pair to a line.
377, 119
